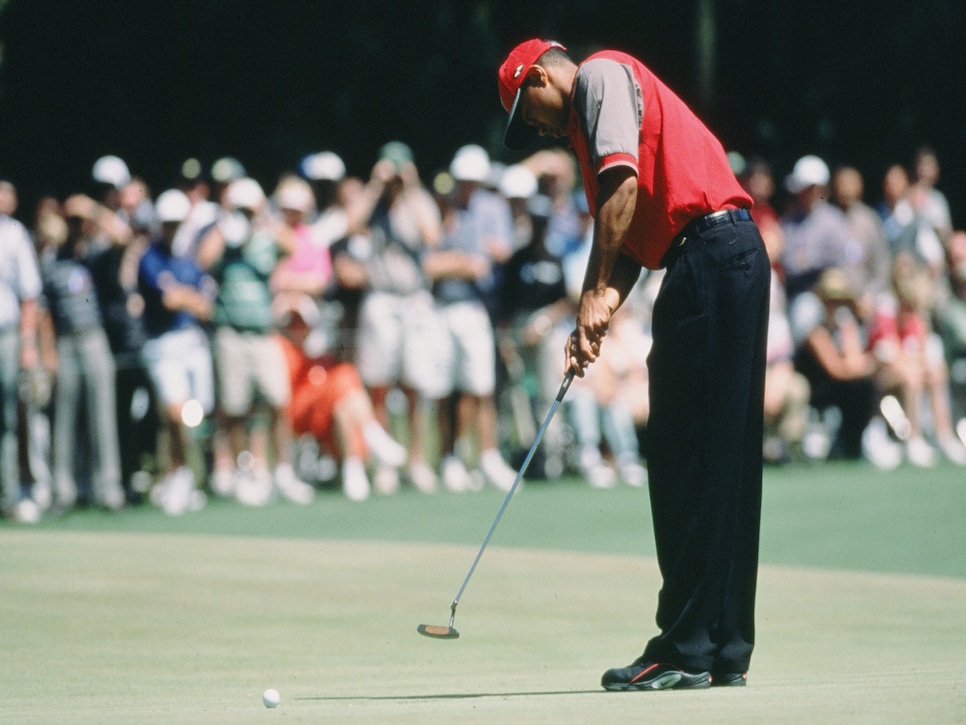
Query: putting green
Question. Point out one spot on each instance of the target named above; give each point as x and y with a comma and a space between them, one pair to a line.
188, 628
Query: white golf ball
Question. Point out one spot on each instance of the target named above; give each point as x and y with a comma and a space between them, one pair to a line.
271, 698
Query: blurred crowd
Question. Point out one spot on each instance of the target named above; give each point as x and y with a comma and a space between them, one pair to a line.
228, 338
867, 342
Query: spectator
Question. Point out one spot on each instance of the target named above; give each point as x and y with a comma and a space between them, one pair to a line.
307, 268
556, 174
203, 212
786, 389
518, 185
929, 202
910, 365
905, 227
868, 259
397, 324
894, 208
324, 171
329, 402
476, 231
830, 353
816, 235
8, 199
111, 175
758, 180
115, 271
241, 254
36, 410
85, 366
177, 299
136, 208
349, 272
951, 324
533, 305
20, 286
345, 205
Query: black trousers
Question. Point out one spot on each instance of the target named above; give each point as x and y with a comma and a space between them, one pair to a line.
704, 452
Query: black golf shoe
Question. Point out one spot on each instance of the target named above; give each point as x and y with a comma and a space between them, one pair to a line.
729, 679
645, 675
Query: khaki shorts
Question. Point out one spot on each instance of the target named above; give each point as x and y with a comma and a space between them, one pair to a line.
398, 342
249, 367
467, 360
179, 363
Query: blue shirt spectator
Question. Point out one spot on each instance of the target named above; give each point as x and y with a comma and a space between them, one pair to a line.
160, 273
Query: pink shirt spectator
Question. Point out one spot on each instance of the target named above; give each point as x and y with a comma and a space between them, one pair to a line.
307, 269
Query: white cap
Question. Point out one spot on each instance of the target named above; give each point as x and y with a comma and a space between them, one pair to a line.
245, 193
471, 163
111, 170
294, 193
323, 166
172, 206
808, 171
518, 182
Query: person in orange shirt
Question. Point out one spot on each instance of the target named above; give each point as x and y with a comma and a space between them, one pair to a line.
329, 401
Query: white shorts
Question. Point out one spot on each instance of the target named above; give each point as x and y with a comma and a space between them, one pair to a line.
468, 353
249, 366
398, 342
179, 364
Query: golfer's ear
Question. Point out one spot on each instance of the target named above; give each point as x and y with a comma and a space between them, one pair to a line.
537, 76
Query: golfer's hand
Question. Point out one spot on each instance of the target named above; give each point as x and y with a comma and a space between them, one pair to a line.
573, 360
593, 319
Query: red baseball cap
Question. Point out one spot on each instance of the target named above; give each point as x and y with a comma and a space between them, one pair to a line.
511, 75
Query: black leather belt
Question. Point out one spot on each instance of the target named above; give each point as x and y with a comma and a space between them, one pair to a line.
697, 226
715, 218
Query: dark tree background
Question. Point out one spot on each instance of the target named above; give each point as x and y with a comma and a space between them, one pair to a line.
267, 81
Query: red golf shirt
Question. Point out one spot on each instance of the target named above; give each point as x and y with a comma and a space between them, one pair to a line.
622, 114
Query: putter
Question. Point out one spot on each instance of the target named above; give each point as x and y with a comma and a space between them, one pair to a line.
439, 631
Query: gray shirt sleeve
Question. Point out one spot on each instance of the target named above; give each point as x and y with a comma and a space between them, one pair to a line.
610, 106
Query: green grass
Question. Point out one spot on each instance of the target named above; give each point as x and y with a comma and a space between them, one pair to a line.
844, 515
148, 619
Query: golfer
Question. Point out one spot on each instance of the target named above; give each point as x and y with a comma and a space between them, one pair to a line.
663, 196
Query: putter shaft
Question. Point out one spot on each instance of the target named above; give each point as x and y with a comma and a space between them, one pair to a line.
564, 386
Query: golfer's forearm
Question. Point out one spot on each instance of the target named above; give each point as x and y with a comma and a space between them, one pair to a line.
616, 203
623, 277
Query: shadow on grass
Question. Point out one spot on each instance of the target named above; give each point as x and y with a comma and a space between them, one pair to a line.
456, 696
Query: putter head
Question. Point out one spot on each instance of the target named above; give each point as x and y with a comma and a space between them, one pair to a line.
438, 631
